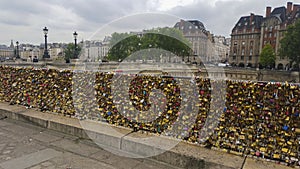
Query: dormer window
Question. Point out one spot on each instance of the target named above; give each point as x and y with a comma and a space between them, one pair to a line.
271, 27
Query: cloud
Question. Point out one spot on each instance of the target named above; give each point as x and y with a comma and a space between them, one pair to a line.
220, 16
25, 19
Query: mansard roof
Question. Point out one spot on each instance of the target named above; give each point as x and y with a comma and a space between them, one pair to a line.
246, 22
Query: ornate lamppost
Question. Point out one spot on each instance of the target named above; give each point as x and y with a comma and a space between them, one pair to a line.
75, 39
17, 52
46, 54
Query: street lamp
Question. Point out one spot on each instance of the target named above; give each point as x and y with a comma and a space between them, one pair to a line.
46, 54
75, 39
17, 52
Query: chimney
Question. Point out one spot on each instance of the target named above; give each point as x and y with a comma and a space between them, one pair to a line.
268, 11
295, 7
251, 17
289, 7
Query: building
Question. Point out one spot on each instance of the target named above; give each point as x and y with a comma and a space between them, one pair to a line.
92, 50
200, 38
245, 41
56, 50
7, 53
28, 53
274, 26
252, 33
105, 46
96, 50
222, 48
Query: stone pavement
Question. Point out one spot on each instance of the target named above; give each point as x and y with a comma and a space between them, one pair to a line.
23, 145
62, 142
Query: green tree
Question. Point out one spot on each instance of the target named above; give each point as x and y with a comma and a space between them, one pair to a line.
290, 43
169, 39
267, 56
71, 53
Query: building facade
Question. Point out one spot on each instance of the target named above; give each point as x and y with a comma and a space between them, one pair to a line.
96, 50
7, 53
252, 33
200, 39
222, 48
245, 41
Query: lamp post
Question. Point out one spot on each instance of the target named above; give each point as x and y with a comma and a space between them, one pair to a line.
75, 39
46, 54
17, 52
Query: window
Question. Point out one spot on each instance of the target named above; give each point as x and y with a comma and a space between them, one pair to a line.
251, 43
234, 57
275, 35
251, 52
250, 58
243, 52
196, 45
234, 51
270, 35
235, 42
243, 43
242, 57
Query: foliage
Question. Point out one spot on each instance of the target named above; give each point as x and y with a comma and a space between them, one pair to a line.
172, 40
70, 52
290, 44
267, 56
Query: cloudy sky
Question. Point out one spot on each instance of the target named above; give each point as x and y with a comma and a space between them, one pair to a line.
24, 20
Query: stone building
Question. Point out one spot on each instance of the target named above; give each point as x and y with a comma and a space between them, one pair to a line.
96, 50
245, 41
7, 53
252, 33
200, 38
222, 48
274, 26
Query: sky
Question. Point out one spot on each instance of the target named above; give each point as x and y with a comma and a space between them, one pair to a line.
24, 20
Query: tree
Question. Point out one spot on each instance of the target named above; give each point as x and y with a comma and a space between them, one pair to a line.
290, 43
71, 53
172, 40
267, 56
